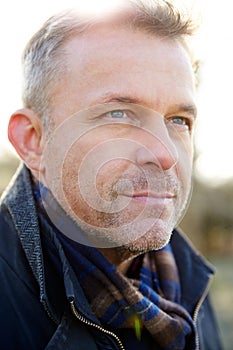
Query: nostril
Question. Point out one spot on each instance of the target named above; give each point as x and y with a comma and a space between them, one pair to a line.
157, 154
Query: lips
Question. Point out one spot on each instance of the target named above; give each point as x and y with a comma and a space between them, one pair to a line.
158, 195
151, 188
156, 198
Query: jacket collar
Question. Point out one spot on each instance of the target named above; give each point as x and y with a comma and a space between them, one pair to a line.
195, 271
20, 202
26, 222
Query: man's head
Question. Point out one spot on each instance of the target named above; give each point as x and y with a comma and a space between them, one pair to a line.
108, 119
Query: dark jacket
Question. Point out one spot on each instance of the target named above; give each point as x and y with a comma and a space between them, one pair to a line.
42, 305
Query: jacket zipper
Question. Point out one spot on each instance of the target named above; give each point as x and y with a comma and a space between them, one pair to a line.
197, 308
49, 313
91, 324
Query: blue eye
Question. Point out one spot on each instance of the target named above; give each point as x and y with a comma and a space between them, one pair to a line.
118, 114
179, 120
182, 121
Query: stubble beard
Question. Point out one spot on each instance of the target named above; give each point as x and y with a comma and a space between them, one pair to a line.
106, 229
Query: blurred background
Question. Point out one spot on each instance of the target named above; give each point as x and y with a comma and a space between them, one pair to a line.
209, 220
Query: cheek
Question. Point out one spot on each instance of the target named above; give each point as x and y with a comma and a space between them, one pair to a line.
185, 165
89, 172
107, 174
183, 144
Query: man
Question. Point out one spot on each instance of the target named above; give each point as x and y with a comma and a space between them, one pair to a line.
90, 258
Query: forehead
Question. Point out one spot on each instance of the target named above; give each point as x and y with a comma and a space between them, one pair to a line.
132, 48
108, 60
104, 39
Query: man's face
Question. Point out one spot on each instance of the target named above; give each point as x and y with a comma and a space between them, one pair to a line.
120, 155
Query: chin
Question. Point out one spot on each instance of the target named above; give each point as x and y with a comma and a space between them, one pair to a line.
144, 245
154, 239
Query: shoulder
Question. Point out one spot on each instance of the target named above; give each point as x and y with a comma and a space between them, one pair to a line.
21, 309
13, 262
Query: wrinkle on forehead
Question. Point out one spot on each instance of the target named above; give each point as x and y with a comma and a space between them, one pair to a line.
154, 72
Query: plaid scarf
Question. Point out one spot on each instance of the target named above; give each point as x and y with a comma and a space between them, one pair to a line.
147, 297
152, 300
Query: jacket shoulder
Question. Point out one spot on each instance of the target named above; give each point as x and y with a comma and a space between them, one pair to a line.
19, 290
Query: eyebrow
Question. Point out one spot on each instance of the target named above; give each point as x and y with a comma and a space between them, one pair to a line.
123, 99
189, 108
183, 107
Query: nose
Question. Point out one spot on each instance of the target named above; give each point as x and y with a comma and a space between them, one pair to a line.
157, 148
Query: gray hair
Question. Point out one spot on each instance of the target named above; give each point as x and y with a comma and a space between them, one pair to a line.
44, 64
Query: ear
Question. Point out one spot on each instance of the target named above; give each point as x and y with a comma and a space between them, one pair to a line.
25, 133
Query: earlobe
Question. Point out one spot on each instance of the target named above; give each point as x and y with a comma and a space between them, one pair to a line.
25, 134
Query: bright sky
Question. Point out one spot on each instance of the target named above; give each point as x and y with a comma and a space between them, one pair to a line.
20, 19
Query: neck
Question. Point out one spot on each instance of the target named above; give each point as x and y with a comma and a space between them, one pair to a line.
121, 257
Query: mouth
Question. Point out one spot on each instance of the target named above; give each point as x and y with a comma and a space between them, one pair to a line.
155, 198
